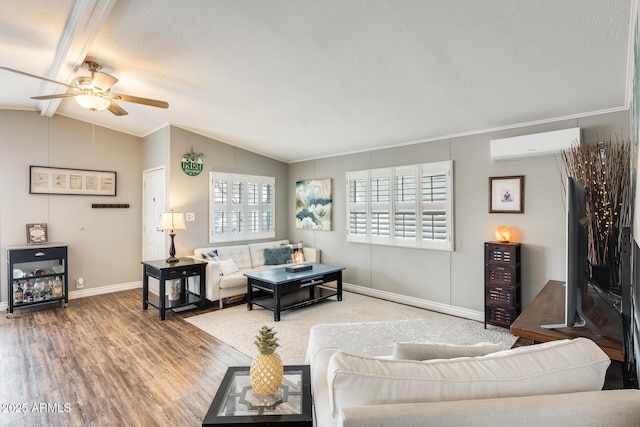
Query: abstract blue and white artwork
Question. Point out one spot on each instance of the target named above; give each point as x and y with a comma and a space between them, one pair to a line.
313, 204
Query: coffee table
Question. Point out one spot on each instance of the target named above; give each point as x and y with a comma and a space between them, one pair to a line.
286, 290
237, 403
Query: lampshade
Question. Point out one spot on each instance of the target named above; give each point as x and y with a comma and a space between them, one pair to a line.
172, 221
92, 102
503, 234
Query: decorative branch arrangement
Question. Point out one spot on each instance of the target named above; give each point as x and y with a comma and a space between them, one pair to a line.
603, 169
191, 156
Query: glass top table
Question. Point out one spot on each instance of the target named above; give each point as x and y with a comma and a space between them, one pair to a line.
237, 403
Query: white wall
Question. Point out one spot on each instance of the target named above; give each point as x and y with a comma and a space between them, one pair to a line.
104, 244
107, 250
191, 193
455, 278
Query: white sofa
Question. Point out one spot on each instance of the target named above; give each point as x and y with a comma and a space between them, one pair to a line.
249, 257
357, 383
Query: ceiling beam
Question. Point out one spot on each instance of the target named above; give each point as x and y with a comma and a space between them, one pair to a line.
85, 20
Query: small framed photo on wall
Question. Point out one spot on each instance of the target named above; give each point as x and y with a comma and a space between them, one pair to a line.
506, 194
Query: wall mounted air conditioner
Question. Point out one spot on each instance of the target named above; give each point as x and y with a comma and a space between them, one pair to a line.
534, 145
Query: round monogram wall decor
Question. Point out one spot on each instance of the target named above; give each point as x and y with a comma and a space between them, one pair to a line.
192, 163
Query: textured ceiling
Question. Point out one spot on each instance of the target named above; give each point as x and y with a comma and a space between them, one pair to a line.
310, 78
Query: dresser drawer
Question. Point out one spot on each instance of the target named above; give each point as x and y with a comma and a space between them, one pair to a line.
508, 296
504, 254
38, 254
193, 270
501, 316
501, 275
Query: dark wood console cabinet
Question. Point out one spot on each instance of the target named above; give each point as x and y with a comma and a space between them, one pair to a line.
37, 274
501, 283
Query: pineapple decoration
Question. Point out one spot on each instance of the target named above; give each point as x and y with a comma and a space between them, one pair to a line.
266, 369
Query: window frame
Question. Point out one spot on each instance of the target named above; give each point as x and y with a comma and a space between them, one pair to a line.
245, 207
412, 206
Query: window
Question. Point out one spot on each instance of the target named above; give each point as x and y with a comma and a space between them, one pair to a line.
357, 217
242, 207
404, 206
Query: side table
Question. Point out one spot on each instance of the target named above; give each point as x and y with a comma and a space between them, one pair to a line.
164, 271
236, 403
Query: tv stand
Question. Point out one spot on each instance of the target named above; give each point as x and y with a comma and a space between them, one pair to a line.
581, 322
547, 308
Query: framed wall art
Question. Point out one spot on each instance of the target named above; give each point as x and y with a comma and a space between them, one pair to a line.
506, 194
47, 180
313, 204
37, 234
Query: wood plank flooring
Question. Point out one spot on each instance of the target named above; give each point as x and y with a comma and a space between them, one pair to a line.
102, 361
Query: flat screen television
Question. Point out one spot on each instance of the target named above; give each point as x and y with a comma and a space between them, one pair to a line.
577, 259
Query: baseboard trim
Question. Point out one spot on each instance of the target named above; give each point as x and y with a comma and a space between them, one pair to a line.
89, 292
82, 293
416, 302
389, 296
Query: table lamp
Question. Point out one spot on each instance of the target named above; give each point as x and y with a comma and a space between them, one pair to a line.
172, 221
503, 234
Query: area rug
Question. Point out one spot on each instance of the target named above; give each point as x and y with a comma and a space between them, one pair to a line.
237, 327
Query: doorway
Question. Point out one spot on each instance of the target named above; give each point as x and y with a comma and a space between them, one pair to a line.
153, 204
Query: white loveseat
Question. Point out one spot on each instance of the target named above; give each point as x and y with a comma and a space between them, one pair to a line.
249, 257
356, 383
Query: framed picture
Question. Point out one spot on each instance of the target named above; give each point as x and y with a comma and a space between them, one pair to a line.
46, 180
506, 194
313, 204
37, 234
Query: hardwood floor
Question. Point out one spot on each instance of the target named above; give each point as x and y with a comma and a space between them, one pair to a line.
102, 361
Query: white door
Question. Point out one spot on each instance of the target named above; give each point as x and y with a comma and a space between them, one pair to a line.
153, 204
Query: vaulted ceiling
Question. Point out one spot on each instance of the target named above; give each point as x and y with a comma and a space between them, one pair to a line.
303, 79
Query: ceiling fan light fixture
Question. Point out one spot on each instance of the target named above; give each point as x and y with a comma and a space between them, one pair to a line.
92, 102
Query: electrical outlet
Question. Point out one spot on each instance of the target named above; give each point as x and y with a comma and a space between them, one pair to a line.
191, 216
80, 283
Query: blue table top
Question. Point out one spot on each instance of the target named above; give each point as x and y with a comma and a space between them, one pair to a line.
281, 275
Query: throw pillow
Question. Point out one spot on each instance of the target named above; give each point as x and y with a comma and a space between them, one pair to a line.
213, 255
276, 256
564, 366
228, 266
432, 350
297, 254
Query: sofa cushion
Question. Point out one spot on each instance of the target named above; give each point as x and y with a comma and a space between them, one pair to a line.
212, 255
275, 256
257, 251
199, 252
228, 266
235, 280
589, 408
239, 253
564, 366
433, 350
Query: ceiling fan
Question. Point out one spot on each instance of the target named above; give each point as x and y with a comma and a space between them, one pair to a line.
94, 92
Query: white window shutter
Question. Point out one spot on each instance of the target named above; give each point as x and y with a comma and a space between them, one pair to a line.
403, 206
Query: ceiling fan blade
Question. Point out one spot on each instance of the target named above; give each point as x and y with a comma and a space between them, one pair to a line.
138, 100
36, 77
116, 110
102, 82
62, 95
